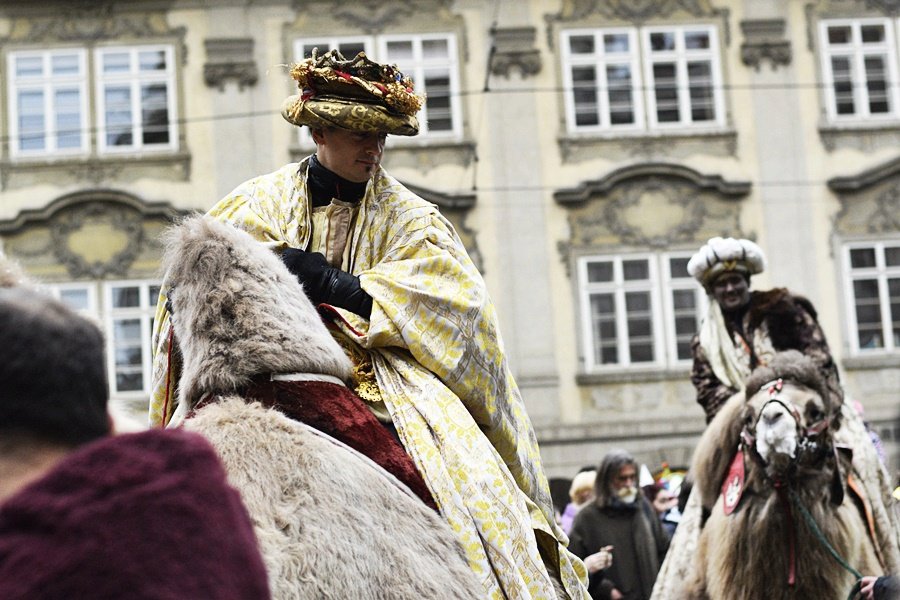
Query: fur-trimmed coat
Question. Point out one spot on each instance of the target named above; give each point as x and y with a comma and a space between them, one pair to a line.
772, 321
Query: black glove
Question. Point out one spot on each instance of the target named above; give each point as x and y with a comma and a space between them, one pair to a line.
326, 284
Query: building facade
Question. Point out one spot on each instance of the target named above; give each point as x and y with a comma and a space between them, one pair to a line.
584, 149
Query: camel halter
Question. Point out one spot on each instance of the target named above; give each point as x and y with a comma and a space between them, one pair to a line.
787, 496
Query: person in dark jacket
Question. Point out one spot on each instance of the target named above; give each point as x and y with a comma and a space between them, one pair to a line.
86, 513
618, 535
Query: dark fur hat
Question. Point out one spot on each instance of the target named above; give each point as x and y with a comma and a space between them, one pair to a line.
53, 370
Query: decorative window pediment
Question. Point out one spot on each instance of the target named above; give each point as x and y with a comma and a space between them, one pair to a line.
870, 200
94, 234
683, 204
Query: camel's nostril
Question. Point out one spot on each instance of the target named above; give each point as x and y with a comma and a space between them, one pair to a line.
772, 415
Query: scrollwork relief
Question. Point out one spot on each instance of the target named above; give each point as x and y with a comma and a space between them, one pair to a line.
120, 218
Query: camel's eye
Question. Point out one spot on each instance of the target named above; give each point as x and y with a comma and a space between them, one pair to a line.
813, 412
749, 417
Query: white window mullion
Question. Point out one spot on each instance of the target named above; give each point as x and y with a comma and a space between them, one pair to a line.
621, 316
884, 298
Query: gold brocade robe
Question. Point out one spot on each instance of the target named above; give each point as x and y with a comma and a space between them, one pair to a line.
434, 343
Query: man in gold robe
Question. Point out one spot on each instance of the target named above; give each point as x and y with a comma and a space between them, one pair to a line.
413, 313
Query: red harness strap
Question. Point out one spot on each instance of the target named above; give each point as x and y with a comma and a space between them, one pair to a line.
165, 410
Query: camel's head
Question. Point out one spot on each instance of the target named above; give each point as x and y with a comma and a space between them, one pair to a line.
790, 415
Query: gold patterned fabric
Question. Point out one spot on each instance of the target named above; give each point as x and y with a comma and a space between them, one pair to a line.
440, 369
356, 94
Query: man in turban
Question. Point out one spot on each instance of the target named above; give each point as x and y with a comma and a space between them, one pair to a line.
743, 329
412, 312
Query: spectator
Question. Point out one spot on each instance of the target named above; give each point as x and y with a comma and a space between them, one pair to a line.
618, 534
665, 504
581, 492
88, 514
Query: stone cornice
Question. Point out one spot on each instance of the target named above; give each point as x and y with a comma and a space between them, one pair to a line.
849, 184
602, 186
45, 214
764, 40
514, 48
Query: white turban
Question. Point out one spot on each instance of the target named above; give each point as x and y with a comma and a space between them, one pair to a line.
726, 254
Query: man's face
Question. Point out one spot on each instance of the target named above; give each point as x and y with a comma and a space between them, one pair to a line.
353, 155
626, 477
731, 291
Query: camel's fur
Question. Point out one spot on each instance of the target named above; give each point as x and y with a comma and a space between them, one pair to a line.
331, 523
238, 312
744, 555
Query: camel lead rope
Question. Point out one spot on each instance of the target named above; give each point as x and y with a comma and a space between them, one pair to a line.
821, 537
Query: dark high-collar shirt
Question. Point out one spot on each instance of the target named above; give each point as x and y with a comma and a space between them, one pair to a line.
324, 185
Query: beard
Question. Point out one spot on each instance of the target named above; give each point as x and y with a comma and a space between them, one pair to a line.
627, 495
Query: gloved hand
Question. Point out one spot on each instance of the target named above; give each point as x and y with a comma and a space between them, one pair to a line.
326, 284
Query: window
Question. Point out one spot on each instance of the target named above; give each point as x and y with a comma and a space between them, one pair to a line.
48, 102
638, 79
50, 95
126, 316
873, 296
429, 60
638, 310
860, 70
134, 93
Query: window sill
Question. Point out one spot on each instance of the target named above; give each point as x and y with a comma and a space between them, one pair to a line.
633, 375
66, 170
860, 135
676, 143
865, 362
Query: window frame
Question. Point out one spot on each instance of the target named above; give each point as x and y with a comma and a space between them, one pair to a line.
145, 313
881, 273
600, 61
643, 91
660, 285
135, 80
857, 55
681, 56
48, 84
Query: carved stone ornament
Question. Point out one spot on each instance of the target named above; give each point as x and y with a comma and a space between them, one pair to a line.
887, 7
374, 16
764, 40
226, 59
514, 48
636, 11
90, 233
72, 226
870, 200
88, 22
651, 206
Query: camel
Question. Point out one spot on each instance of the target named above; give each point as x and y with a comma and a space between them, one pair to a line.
777, 494
336, 510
